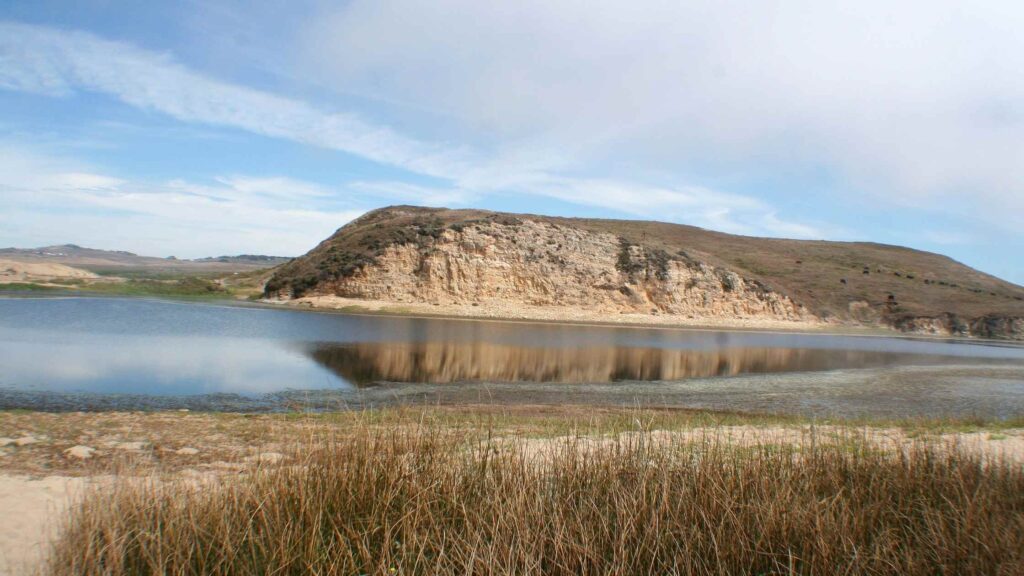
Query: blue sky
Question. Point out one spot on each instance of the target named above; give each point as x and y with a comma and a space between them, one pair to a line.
205, 128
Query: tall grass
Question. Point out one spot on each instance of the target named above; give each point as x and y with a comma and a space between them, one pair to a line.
427, 501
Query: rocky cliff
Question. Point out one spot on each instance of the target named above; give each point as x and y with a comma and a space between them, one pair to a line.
491, 260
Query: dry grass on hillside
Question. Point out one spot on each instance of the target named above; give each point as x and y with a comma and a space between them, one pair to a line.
426, 500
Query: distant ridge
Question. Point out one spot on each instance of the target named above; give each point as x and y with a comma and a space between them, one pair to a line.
104, 260
247, 258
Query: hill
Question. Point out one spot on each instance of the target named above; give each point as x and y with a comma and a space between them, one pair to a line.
496, 263
118, 261
253, 259
12, 271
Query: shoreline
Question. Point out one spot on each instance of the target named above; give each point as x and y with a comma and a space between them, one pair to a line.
865, 394
371, 308
359, 307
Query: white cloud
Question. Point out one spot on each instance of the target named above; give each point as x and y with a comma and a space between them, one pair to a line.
276, 187
920, 103
695, 205
47, 60
188, 219
394, 191
53, 61
42, 173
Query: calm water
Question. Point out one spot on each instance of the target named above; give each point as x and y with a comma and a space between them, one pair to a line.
83, 353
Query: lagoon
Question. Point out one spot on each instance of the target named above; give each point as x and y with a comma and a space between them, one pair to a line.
89, 353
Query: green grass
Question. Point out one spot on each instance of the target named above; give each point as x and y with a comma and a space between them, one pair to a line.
354, 309
428, 500
26, 287
573, 420
187, 287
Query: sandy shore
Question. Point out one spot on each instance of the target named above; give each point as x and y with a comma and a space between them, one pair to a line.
32, 509
560, 314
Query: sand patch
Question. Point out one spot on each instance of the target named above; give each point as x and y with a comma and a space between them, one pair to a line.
1007, 445
32, 509
13, 271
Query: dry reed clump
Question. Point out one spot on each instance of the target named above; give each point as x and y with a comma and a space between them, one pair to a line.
429, 502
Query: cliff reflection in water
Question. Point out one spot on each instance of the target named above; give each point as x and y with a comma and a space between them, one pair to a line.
442, 362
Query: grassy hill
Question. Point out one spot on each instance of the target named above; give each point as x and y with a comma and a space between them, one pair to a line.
850, 281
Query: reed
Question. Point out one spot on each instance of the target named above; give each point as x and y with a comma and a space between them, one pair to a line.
427, 500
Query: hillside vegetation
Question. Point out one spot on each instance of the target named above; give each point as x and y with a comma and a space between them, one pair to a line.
410, 254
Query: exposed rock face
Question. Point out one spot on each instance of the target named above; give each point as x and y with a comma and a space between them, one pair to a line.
998, 327
994, 327
537, 263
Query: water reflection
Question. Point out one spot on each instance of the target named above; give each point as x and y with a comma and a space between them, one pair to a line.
444, 362
170, 365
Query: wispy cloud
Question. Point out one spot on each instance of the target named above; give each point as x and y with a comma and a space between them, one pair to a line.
70, 204
696, 205
278, 187
396, 191
917, 104
59, 63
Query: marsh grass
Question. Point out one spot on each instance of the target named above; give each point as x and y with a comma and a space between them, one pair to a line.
26, 287
187, 287
430, 500
190, 287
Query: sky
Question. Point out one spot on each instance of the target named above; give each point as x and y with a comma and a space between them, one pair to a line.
212, 127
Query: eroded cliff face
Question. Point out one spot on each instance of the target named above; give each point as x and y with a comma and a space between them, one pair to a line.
541, 264
992, 327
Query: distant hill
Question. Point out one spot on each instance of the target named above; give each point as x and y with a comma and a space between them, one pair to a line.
255, 259
107, 261
496, 261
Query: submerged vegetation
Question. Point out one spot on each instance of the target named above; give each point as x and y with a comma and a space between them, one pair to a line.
429, 499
